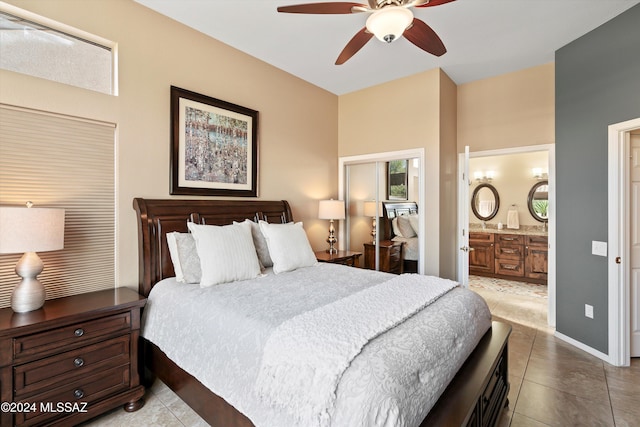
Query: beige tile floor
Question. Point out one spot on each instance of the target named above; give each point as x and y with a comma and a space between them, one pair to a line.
552, 383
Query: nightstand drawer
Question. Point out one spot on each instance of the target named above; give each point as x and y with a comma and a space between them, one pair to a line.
84, 390
66, 367
69, 336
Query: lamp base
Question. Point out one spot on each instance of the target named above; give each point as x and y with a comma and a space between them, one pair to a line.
29, 295
331, 240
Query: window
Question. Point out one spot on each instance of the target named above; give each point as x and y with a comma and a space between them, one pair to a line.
61, 162
37, 46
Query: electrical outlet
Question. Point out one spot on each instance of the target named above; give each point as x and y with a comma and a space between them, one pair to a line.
588, 311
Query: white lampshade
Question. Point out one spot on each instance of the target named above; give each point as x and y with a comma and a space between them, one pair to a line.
370, 209
31, 229
331, 209
388, 23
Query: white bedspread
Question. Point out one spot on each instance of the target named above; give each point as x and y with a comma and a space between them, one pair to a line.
218, 335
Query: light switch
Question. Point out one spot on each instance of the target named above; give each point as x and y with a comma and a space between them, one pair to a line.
599, 248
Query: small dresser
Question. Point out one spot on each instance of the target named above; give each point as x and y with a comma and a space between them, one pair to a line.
391, 256
71, 360
349, 258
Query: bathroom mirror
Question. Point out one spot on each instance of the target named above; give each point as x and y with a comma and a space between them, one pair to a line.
485, 202
538, 201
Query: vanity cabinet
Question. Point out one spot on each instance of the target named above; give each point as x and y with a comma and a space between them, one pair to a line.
509, 256
519, 257
536, 257
481, 253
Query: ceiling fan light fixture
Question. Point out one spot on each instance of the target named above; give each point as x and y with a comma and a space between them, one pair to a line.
388, 23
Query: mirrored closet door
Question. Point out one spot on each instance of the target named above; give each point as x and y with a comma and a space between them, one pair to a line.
382, 200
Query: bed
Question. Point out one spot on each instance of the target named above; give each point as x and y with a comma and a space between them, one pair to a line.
391, 211
475, 395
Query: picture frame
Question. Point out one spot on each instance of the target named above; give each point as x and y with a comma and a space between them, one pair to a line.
214, 146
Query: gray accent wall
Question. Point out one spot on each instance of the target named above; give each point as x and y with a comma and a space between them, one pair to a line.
597, 84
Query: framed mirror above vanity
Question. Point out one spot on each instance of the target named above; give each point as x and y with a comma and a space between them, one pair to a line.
538, 201
485, 202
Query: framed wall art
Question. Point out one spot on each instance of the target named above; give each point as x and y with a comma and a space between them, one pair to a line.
214, 146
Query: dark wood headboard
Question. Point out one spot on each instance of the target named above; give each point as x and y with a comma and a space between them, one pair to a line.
156, 218
391, 210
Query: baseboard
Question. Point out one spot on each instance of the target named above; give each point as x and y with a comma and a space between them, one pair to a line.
584, 347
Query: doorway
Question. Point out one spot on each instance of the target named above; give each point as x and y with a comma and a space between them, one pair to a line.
623, 276
494, 173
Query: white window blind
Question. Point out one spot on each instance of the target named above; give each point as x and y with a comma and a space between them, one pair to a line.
63, 162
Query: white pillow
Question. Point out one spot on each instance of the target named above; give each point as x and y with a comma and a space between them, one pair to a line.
413, 220
288, 246
260, 243
404, 225
395, 228
226, 253
184, 256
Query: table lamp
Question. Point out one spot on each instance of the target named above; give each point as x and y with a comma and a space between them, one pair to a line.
331, 210
30, 230
371, 209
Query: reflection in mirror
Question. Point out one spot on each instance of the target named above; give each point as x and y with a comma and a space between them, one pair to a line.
538, 201
485, 202
367, 184
397, 183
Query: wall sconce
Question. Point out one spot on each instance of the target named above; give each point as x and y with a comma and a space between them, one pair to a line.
331, 210
539, 174
30, 230
481, 176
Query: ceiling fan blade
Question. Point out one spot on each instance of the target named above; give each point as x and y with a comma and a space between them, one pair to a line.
425, 38
422, 3
355, 44
333, 8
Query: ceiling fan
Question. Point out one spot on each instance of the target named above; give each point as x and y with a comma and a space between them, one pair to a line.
390, 20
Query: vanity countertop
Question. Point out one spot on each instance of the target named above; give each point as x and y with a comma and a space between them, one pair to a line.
530, 230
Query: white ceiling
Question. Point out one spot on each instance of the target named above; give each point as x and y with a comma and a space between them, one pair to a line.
484, 38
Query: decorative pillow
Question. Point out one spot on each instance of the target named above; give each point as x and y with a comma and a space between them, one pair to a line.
226, 253
184, 256
260, 243
406, 230
288, 246
395, 228
413, 220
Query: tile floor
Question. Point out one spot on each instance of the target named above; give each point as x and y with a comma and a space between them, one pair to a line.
552, 383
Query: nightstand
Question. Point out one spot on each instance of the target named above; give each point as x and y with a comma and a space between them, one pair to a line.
71, 360
342, 257
391, 256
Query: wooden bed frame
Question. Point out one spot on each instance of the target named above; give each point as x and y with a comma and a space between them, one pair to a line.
475, 396
390, 210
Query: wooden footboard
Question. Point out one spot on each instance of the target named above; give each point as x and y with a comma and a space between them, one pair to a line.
475, 397
478, 392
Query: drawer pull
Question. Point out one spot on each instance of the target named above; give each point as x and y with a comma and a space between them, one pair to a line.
510, 251
78, 393
78, 362
508, 239
509, 267
78, 332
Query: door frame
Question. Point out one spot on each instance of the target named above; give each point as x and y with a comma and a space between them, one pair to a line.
551, 267
619, 229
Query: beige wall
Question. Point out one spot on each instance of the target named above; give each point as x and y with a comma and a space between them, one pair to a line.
511, 110
413, 112
298, 122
